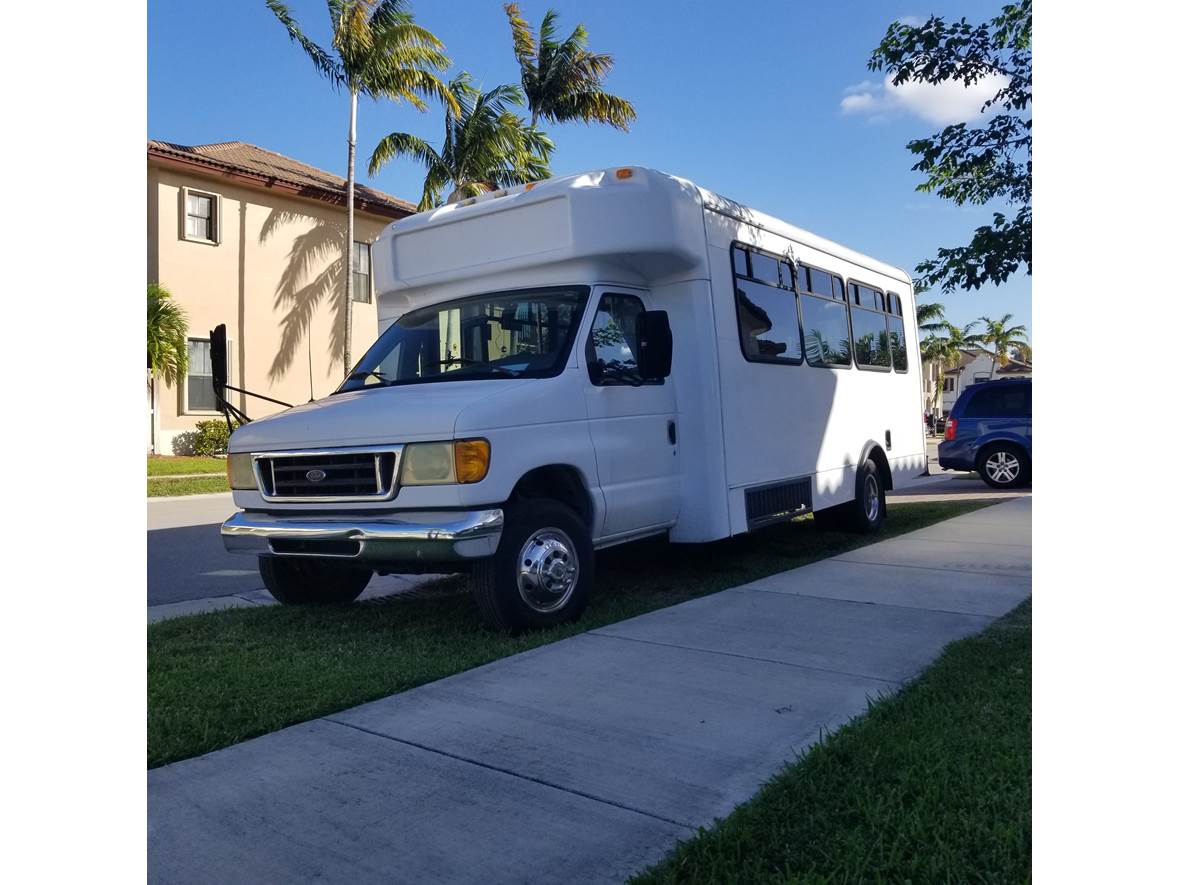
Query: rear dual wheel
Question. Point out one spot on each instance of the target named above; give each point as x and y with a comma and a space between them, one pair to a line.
866, 512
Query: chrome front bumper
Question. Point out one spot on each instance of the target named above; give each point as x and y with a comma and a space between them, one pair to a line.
427, 536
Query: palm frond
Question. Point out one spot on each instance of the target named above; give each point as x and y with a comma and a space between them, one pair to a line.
524, 47
328, 66
167, 336
402, 144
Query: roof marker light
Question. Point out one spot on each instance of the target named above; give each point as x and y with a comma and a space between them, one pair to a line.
623, 174
528, 187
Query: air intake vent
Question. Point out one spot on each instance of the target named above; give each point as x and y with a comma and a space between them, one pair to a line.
777, 502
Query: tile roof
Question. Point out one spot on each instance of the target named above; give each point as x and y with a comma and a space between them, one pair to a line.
255, 162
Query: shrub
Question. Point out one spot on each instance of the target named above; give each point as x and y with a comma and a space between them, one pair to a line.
210, 438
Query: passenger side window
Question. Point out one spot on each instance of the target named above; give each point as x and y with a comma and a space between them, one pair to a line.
1000, 402
896, 327
768, 319
870, 333
613, 344
825, 318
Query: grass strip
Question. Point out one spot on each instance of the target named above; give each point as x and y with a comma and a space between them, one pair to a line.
170, 465
931, 785
219, 678
202, 485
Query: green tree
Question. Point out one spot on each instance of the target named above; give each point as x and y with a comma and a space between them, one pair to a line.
931, 316
1004, 339
167, 336
982, 163
562, 79
378, 51
485, 146
945, 351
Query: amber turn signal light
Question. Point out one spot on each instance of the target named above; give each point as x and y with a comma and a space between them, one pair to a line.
472, 457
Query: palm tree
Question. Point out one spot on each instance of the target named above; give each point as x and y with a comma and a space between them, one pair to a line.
485, 146
167, 345
562, 79
931, 316
946, 350
380, 52
1004, 339
167, 336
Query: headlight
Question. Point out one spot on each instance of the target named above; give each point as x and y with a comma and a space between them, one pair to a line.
240, 470
441, 463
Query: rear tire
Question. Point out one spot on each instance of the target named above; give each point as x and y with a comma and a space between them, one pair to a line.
1004, 466
307, 581
866, 512
542, 572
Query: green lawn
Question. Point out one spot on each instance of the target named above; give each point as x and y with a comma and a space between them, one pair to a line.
220, 678
170, 465
931, 785
201, 485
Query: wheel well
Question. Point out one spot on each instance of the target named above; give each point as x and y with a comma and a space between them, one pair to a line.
559, 482
878, 457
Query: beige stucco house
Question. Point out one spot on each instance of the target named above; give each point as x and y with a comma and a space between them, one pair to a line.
247, 237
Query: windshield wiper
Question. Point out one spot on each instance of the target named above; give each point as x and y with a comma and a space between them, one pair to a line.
463, 361
370, 372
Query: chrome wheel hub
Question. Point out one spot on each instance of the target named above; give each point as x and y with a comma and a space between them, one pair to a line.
872, 498
1002, 467
547, 570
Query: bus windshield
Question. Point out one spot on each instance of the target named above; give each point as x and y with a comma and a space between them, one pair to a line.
523, 333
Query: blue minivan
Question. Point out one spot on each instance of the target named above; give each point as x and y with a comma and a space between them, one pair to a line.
990, 431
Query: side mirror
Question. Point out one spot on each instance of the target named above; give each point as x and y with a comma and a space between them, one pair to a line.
218, 357
655, 345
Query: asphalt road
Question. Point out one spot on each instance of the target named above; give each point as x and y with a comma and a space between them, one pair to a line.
185, 556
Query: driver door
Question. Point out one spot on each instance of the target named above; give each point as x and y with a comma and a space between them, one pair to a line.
632, 424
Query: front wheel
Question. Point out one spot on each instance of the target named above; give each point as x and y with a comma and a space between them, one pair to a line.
307, 581
542, 572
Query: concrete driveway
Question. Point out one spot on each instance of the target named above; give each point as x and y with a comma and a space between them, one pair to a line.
587, 759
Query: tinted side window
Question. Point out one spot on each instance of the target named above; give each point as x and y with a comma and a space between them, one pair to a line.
764, 268
897, 342
870, 338
1000, 402
825, 331
769, 322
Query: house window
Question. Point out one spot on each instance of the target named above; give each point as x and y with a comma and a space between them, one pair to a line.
980, 376
360, 272
198, 383
948, 384
200, 216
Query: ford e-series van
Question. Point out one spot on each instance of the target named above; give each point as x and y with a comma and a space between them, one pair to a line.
574, 364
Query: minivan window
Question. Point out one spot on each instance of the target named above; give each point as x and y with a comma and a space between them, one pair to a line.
522, 333
1000, 401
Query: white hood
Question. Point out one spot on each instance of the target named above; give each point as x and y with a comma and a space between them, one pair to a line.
376, 416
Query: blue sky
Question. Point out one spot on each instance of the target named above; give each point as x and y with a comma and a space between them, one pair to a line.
768, 103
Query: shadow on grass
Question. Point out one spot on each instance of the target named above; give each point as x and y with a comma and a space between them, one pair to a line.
219, 678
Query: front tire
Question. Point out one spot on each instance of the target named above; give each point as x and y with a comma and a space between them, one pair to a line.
300, 581
542, 572
1004, 466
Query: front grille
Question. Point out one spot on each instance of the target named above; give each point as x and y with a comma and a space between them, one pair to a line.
777, 502
348, 475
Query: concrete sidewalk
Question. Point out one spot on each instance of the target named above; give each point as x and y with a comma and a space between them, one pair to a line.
587, 759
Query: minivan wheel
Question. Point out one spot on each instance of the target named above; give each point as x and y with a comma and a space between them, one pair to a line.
542, 571
1004, 467
308, 581
866, 511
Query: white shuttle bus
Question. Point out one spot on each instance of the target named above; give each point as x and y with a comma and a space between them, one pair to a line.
574, 364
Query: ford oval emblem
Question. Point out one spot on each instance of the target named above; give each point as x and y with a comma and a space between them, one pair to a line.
316, 475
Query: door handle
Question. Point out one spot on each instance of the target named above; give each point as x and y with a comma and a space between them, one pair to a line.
672, 433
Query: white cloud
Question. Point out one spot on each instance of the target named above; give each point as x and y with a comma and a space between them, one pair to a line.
942, 104
912, 20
